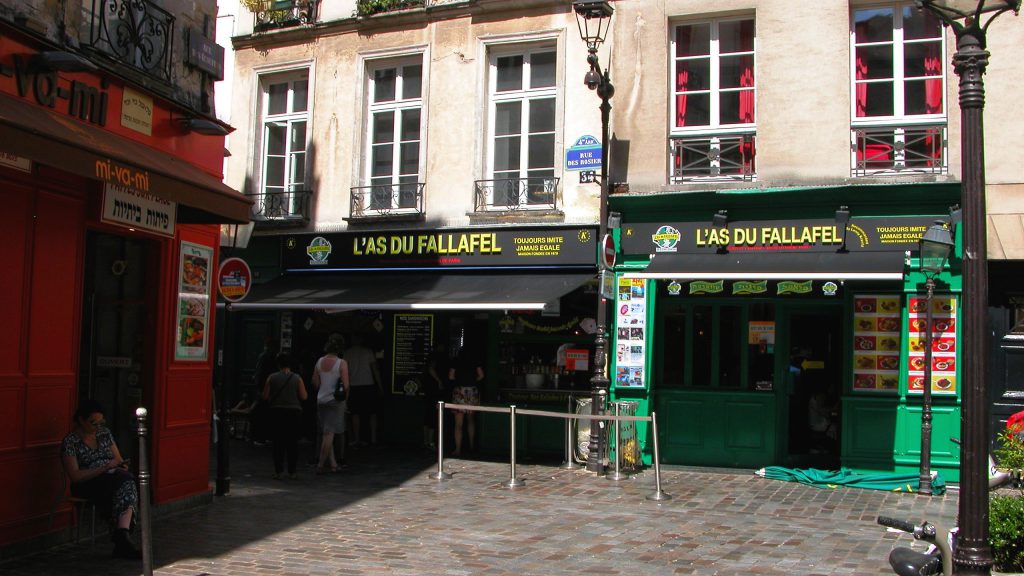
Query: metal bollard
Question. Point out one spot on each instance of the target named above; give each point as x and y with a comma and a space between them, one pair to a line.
618, 474
657, 494
513, 482
568, 464
441, 475
144, 520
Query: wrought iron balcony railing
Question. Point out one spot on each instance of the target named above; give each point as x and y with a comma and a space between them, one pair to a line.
281, 13
281, 209
389, 200
137, 33
726, 157
516, 194
887, 150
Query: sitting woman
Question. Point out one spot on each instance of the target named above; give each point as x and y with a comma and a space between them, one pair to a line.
98, 473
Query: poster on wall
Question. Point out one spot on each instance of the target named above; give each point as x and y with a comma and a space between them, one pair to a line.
413, 338
631, 336
944, 343
190, 342
876, 343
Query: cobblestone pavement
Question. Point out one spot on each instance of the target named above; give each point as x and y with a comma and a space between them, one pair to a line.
385, 515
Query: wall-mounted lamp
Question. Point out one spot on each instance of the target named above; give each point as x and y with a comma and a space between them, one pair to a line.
720, 219
204, 126
955, 217
61, 61
842, 219
614, 220
236, 235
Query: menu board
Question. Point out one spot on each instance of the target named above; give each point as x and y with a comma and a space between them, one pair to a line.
876, 343
944, 320
193, 313
631, 338
413, 337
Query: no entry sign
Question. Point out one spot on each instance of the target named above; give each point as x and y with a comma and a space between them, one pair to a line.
608, 251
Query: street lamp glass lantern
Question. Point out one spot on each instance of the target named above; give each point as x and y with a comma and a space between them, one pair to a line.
593, 17
971, 6
936, 245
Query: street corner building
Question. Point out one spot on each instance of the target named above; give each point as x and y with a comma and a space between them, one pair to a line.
111, 177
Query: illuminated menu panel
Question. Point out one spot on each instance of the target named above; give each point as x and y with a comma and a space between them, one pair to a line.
944, 344
876, 343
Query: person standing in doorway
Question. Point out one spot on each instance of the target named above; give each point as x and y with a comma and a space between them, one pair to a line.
330, 374
364, 388
466, 374
435, 384
284, 392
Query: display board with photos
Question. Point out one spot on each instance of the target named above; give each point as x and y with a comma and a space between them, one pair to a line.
877, 328
944, 344
193, 313
631, 335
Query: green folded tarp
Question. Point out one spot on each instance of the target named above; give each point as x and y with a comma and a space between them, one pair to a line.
891, 482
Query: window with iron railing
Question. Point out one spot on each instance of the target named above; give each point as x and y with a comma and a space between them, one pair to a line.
882, 150
281, 13
283, 208
136, 33
283, 142
523, 92
394, 140
712, 127
508, 194
725, 157
387, 200
898, 84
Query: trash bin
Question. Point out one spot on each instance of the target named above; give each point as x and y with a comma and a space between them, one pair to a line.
626, 443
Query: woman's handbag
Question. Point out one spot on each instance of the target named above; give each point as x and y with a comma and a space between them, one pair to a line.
339, 392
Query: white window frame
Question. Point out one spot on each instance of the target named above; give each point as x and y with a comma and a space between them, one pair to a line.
899, 77
525, 95
292, 192
719, 136
901, 124
398, 105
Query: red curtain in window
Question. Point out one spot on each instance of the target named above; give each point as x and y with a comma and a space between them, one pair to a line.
747, 115
682, 80
861, 73
933, 99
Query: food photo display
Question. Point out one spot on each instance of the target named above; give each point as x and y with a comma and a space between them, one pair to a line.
944, 322
876, 343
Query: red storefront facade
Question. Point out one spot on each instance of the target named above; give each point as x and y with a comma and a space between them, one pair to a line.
109, 232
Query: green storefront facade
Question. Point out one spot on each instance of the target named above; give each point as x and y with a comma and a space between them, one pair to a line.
787, 326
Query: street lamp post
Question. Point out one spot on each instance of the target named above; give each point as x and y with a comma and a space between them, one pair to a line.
936, 244
969, 23
594, 18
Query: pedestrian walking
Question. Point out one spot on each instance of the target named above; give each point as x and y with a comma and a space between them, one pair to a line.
284, 392
331, 382
364, 388
466, 376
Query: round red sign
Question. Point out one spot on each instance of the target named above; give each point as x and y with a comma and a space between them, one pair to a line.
608, 251
234, 279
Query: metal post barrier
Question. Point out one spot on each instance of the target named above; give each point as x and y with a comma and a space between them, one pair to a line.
513, 482
144, 520
657, 494
441, 475
568, 464
618, 475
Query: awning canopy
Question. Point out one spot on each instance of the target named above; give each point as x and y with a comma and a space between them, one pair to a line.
49, 138
390, 291
776, 266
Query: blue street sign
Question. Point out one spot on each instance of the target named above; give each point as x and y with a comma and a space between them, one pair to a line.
585, 154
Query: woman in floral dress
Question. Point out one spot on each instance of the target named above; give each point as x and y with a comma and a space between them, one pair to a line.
98, 473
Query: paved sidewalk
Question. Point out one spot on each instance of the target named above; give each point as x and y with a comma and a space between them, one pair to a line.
384, 515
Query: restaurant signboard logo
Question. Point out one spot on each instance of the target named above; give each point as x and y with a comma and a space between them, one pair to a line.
319, 250
793, 287
747, 288
666, 238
